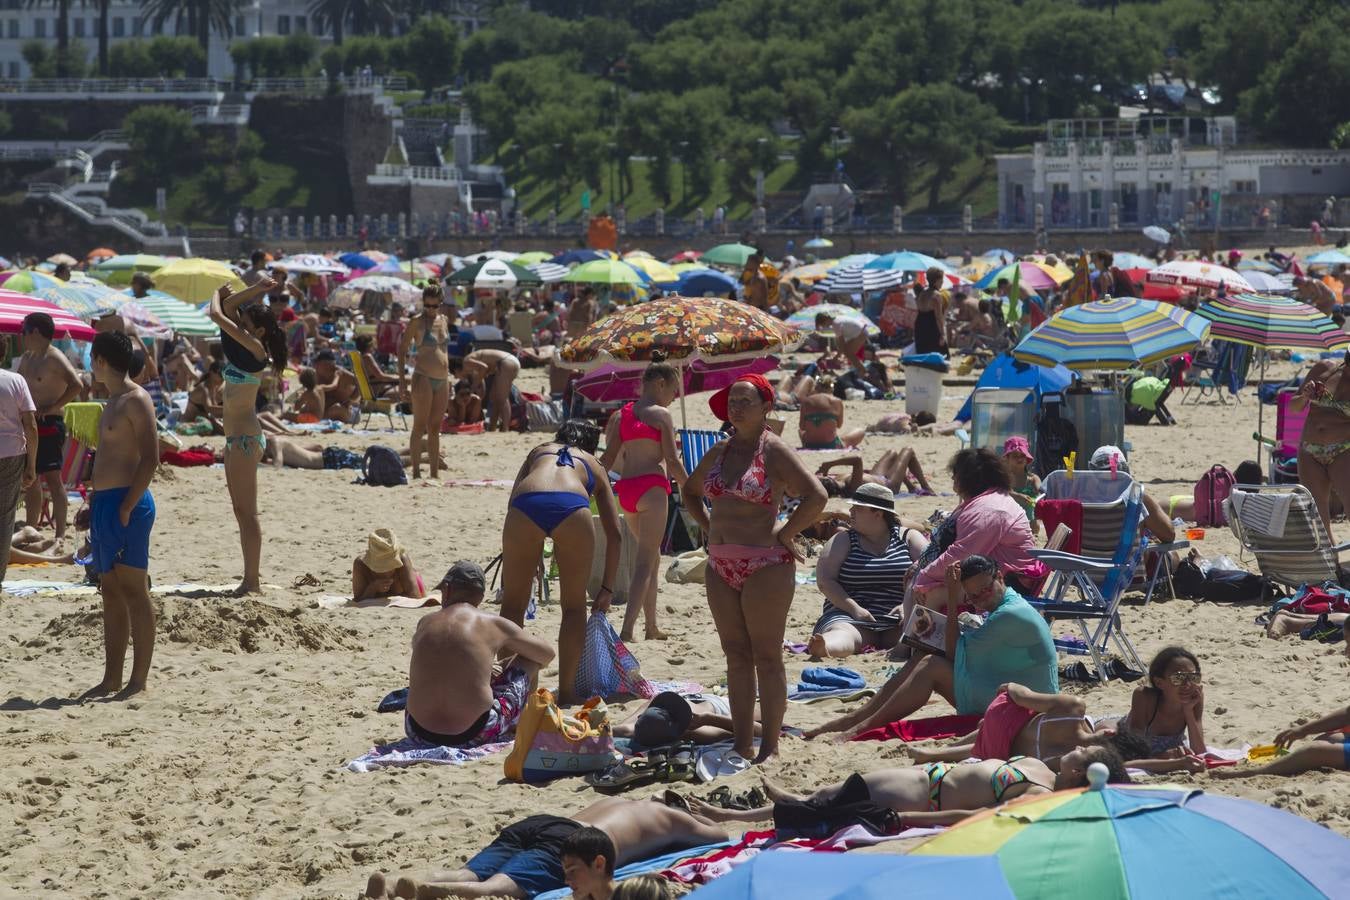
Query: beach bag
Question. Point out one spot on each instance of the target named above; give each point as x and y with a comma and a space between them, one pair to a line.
1210, 491
1231, 586
543, 415
381, 467
552, 744
688, 568
607, 666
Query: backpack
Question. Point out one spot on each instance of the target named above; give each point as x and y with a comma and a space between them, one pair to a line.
1210, 491
381, 467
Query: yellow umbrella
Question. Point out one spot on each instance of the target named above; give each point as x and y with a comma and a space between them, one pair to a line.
653, 268
677, 268
195, 280
977, 268
812, 273
637, 254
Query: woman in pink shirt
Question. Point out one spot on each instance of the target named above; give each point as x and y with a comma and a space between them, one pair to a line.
988, 522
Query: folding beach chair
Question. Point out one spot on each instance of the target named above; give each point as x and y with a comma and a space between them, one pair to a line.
1110, 553
369, 404
75, 463
1282, 467
693, 445
1280, 526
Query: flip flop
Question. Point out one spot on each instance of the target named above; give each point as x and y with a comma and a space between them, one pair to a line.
305, 580
674, 800
622, 775
716, 763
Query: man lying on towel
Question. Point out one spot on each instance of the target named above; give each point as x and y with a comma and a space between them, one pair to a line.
456, 696
938, 793
529, 857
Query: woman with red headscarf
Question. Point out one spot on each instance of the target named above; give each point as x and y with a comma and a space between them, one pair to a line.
751, 556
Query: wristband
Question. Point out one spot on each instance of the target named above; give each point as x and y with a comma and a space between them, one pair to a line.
606, 588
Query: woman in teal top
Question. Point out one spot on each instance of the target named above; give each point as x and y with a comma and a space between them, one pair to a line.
1013, 645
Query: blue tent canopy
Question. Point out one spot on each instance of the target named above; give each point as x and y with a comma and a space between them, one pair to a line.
697, 282
1006, 372
576, 257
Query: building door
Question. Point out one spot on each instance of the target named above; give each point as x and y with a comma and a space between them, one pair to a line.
1129, 204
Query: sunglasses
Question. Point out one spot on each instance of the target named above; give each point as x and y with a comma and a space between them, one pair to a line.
1180, 679
431, 306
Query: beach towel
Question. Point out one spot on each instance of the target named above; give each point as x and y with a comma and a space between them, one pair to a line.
408, 752
829, 678
478, 482
1053, 513
843, 694
1264, 514
187, 458
338, 601
645, 867
931, 728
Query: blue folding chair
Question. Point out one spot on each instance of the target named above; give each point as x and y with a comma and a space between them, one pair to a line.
693, 445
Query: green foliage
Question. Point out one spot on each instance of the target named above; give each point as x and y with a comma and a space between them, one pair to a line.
173, 57
432, 51
46, 60
1303, 98
276, 57
164, 142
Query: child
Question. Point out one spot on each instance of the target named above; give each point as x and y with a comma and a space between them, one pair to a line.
587, 857
1331, 750
1026, 487
309, 404
1168, 710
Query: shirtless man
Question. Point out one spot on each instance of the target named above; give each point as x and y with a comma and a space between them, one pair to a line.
939, 793
820, 420
756, 292
339, 388
53, 382
453, 698
121, 514
292, 453
1311, 291
526, 859
582, 312
496, 371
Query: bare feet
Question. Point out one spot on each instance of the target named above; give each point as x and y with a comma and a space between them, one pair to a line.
1283, 624
103, 688
778, 795
830, 726
655, 634
627, 637
132, 689
765, 754
375, 887
815, 646
247, 587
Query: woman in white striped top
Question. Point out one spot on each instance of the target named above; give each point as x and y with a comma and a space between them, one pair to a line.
862, 574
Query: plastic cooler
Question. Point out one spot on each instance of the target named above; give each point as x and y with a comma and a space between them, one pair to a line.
923, 390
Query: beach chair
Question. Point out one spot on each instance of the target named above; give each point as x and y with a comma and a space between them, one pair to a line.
1280, 526
369, 404
693, 445
1282, 466
1110, 553
76, 460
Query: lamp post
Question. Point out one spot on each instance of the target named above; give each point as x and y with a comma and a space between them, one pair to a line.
834, 147
557, 176
684, 173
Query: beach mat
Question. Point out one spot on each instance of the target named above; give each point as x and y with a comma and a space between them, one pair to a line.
931, 728
408, 752
340, 601
35, 587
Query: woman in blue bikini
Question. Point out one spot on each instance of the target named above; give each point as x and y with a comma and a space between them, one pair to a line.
251, 338
430, 393
552, 498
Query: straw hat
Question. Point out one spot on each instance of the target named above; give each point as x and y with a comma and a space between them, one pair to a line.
876, 496
383, 551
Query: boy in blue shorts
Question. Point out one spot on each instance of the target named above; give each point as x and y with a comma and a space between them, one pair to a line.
121, 514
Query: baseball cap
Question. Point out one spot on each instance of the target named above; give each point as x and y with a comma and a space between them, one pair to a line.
464, 573
664, 721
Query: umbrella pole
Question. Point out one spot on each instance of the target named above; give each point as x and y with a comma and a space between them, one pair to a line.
684, 419
1260, 408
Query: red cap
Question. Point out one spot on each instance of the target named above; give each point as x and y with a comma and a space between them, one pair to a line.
718, 401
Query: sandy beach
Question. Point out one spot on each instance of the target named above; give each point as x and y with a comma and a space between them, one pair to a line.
227, 779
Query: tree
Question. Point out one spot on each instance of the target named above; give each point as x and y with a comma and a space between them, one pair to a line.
44, 62
163, 142
61, 58
360, 16
201, 17
1302, 98
175, 56
432, 51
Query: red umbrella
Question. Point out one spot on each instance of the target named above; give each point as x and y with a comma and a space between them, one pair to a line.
14, 306
684, 256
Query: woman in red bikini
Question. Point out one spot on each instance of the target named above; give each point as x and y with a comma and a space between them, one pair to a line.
751, 555
640, 443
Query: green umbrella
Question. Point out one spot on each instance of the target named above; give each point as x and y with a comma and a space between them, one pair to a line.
604, 271
531, 257
729, 254
118, 270
174, 313
493, 273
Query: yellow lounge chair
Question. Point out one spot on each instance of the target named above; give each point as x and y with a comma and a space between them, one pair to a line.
369, 404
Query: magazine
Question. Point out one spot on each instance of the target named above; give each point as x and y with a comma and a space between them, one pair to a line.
926, 630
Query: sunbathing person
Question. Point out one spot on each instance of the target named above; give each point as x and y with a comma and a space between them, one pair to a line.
526, 859
1330, 750
385, 569
341, 392
896, 470
1168, 710
381, 382
309, 404
1013, 644
1313, 625
936, 793
205, 401
465, 406
669, 718
453, 698
28, 547
822, 417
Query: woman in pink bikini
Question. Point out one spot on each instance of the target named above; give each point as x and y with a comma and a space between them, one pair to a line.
751, 556
640, 443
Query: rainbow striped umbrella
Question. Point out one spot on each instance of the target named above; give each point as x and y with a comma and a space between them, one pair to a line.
83, 298
1271, 323
1115, 333
1036, 276
177, 315
804, 319
1132, 841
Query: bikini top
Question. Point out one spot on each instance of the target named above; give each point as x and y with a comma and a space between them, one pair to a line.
753, 486
631, 428
240, 356
1330, 402
565, 458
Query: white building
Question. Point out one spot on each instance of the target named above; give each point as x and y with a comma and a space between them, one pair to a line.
20, 23
1160, 171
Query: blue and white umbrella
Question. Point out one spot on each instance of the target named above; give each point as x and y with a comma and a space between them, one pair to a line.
549, 273
907, 261
861, 280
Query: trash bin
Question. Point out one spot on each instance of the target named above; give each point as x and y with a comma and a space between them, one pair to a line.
923, 390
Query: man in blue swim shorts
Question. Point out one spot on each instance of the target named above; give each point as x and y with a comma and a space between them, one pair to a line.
121, 514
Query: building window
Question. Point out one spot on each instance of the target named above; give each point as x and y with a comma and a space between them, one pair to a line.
283, 24
79, 27
13, 70
119, 27
301, 24
1244, 187
239, 27
39, 28
13, 28
137, 26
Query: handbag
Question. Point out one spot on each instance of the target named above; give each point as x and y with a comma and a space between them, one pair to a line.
552, 744
688, 568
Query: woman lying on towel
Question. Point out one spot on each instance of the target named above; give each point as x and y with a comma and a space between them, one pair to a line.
898, 470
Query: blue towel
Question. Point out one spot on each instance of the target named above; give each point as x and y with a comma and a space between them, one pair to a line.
829, 678
644, 867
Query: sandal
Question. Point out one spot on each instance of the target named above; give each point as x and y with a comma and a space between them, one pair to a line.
679, 764
305, 580
674, 800
622, 775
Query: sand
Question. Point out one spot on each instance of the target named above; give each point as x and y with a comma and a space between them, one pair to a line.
227, 779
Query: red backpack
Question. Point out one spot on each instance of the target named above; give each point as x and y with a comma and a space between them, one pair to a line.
1210, 491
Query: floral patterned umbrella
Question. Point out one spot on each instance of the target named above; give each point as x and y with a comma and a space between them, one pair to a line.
686, 328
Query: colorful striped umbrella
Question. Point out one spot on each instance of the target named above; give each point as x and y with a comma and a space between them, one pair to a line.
1034, 276
1271, 323
28, 281
14, 306
549, 273
118, 270
142, 321
805, 319
84, 299
177, 315
861, 279
1132, 841
1199, 274
1116, 333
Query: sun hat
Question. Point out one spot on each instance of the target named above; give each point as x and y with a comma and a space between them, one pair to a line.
1019, 446
876, 496
383, 551
464, 573
664, 721
1102, 456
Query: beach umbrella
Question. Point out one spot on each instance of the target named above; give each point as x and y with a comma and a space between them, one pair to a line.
577, 257
1115, 333
83, 299
853, 259
1263, 283
813, 272
700, 282
1257, 265
14, 306
28, 281
654, 269
176, 315
360, 261
784, 873
728, 255
977, 268
999, 253
684, 256
1195, 273
348, 295
496, 274
1034, 276
313, 263
1159, 235
378, 256
1126, 260
98, 254
549, 273
195, 280
605, 271
805, 318
528, 258
443, 259
485, 255
612, 382
818, 243
58, 259
861, 280
1116, 842
1329, 258
1006, 372
118, 270
907, 261
141, 320
637, 254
